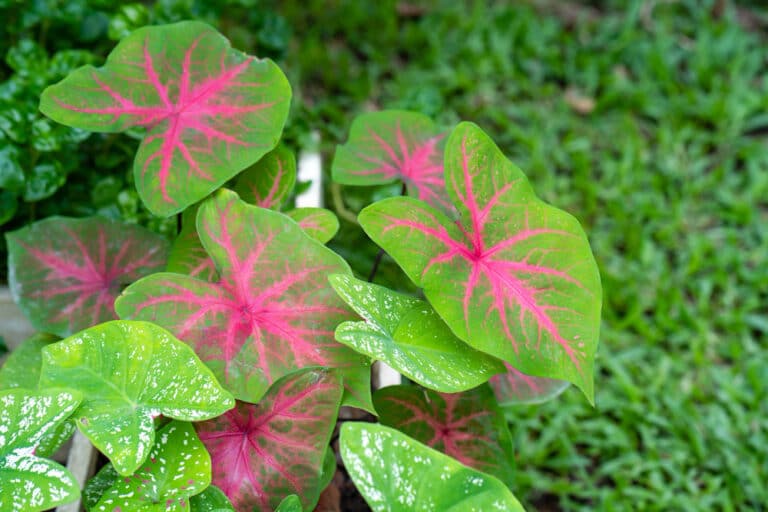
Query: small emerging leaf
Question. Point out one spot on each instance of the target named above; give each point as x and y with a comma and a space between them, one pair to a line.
66, 273
513, 277
188, 255
277, 447
394, 473
319, 223
29, 483
210, 111
178, 467
268, 182
468, 426
409, 336
130, 373
515, 387
394, 145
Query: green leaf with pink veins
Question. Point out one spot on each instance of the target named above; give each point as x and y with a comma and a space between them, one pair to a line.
513, 276
65, 274
210, 111
272, 311
395, 145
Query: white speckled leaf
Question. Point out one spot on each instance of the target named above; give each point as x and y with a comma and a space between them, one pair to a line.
97, 485
290, 504
212, 499
22, 370
409, 336
177, 468
130, 373
394, 473
29, 483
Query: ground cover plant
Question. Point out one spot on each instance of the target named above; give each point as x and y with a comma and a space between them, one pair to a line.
222, 389
643, 119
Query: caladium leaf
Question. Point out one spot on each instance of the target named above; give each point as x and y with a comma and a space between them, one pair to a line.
29, 483
66, 273
277, 447
212, 499
513, 277
98, 484
130, 373
409, 336
468, 426
268, 182
394, 473
210, 111
188, 255
178, 467
22, 370
514, 387
319, 223
271, 313
394, 145
291, 503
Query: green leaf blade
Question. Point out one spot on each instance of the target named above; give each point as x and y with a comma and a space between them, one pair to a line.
394, 473
409, 336
131, 372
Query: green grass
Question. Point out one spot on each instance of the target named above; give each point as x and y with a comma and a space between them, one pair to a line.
669, 175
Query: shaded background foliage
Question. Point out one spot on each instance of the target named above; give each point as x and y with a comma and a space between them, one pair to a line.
647, 120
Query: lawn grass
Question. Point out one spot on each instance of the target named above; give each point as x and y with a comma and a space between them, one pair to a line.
649, 125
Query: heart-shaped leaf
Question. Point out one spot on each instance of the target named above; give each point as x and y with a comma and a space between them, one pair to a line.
22, 370
130, 373
394, 473
394, 145
513, 277
66, 273
468, 426
178, 467
212, 499
29, 483
409, 336
319, 223
277, 447
514, 387
271, 313
210, 111
268, 182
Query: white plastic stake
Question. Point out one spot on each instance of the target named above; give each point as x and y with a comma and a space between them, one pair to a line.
310, 169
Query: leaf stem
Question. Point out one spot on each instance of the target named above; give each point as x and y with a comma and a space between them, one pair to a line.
380, 256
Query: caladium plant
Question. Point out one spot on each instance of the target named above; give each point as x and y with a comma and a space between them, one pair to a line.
513, 276
66, 273
209, 111
251, 303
